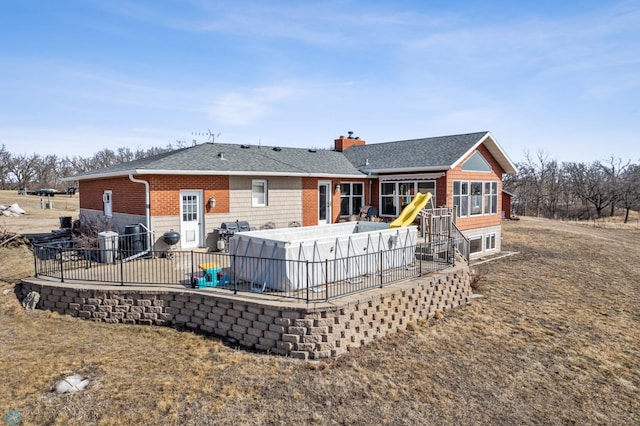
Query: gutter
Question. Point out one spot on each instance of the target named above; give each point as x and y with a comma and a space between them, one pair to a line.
407, 170
147, 206
211, 173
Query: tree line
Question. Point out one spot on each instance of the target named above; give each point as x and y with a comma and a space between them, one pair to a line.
546, 188
542, 187
20, 171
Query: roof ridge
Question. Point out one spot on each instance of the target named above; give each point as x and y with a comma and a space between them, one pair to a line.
420, 139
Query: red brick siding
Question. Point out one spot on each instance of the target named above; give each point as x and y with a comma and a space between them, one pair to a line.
374, 197
309, 201
128, 197
343, 143
165, 192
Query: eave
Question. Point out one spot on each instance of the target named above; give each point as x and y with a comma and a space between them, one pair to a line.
140, 172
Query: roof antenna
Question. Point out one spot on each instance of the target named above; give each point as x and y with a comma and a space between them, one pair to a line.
212, 137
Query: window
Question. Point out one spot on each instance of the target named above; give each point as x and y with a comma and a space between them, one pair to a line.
475, 198
394, 196
490, 241
351, 198
428, 186
490, 197
189, 208
475, 244
388, 199
461, 197
259, 193
494, 197
476, 163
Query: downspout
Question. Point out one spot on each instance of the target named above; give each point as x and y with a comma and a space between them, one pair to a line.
147, 206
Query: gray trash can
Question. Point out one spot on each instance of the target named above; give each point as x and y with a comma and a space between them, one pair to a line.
108, 244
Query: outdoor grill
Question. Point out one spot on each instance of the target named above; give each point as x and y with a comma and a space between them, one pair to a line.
228, 229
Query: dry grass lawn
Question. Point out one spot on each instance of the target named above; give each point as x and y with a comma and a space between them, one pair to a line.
37, 219
554, 342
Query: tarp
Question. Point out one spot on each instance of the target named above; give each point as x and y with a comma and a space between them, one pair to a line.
15, 208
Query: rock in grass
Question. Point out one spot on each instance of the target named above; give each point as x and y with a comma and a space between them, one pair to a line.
31, 300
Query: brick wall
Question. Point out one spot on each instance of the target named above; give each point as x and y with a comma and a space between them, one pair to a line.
343, 143
128, 197
165, 192
321, 330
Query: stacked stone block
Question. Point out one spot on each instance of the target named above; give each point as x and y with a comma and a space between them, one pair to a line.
299, 330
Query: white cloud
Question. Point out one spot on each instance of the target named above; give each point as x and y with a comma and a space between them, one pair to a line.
238, 109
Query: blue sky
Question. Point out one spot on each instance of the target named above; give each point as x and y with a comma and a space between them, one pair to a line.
561, 77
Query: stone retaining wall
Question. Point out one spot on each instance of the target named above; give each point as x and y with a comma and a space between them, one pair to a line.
306, 331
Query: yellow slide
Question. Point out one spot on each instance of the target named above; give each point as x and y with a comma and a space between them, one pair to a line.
409, 213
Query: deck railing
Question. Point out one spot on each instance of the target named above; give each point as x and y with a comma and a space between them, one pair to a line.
310, 281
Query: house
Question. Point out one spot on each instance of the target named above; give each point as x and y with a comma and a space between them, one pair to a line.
506, 204
193, 190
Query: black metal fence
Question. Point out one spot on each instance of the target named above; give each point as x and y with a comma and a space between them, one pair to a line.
310, 281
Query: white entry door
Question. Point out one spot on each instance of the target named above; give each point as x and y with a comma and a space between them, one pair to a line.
324, 202
191, 219
107, 203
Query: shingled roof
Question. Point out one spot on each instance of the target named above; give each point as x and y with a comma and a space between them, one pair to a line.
233, 159
427, 154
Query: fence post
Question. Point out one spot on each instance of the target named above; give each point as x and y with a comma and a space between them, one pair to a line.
193, 272
232, 273
307, 262
381, 271
121, 271
61, 265
452, 252
36, 249
326, 280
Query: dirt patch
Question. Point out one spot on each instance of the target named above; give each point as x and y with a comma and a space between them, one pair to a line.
553, 341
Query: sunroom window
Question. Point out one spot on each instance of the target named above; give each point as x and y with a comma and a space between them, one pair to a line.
475, 198
394, 196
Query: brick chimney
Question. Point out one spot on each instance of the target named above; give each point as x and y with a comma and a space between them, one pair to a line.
344, 143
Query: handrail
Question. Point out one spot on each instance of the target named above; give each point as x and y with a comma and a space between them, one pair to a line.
460, 242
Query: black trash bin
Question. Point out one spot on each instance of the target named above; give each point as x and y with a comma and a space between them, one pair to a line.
134, 240
65, 222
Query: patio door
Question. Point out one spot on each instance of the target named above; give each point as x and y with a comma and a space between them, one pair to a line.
324, 202
191, 219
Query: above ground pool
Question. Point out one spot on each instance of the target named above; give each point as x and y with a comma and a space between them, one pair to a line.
288, 259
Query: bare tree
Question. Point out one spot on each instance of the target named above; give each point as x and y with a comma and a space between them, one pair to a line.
589, 183
5, 160
538, 184
629, 194
46, 172
614, 168
24, 168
